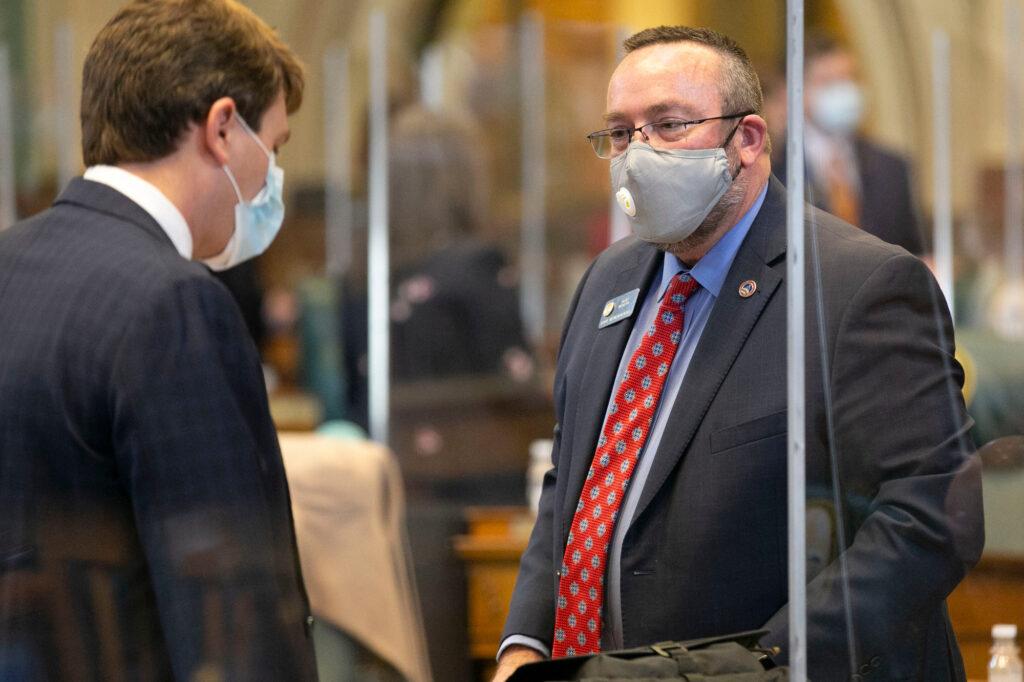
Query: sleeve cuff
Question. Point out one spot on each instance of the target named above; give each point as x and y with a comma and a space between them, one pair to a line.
523, 640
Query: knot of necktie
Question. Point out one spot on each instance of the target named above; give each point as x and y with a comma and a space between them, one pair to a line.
680, 288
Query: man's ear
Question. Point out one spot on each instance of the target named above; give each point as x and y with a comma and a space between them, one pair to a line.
753, 135
217, 127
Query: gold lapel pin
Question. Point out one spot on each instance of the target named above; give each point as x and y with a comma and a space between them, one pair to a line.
748, 288
608, 308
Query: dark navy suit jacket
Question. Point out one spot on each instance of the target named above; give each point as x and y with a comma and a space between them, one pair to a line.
706, 552
145, 524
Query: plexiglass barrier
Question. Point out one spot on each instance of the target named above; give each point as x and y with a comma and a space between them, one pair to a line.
459, 304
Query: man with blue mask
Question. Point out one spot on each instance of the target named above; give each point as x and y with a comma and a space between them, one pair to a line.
143, 485
663, 516
258, 219
848, 174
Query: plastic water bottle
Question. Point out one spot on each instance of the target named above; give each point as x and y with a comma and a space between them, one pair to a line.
1005, 664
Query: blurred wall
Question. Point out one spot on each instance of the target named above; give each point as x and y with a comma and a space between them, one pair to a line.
892, 40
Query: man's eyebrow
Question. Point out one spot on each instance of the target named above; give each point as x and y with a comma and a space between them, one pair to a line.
651, 112
614, 116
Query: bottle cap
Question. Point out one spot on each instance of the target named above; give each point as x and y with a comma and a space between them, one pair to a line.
1004, 631
540, 450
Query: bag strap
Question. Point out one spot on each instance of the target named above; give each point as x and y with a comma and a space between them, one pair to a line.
748, 639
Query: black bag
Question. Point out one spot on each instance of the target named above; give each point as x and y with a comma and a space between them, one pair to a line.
730, 658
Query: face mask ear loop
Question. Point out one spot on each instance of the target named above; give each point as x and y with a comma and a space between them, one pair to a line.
254, 136
234, 185
729, 138
739, 169
726, 144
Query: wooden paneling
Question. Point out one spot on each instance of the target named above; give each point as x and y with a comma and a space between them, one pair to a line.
490, 552
992, 593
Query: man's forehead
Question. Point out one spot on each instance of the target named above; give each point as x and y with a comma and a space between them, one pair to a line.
685, 72
676, 56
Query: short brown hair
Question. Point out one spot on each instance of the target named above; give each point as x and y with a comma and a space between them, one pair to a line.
158, 66
741, 89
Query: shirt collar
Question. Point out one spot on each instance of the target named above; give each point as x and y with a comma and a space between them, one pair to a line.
150, 199
710, 271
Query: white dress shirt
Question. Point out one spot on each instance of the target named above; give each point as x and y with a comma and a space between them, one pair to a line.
828, 155
150, 199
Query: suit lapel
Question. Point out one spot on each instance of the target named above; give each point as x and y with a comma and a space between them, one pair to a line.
727, 329
602, 366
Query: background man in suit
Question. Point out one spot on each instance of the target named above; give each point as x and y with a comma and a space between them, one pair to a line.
847, 174
145, 525
664, 516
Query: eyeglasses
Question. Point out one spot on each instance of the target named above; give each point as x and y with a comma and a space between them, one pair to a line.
613, 141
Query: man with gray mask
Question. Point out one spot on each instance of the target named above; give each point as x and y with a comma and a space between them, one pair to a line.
847, 174
664, 515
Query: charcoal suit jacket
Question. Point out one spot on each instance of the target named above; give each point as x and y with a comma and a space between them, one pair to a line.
145, 525
706, 552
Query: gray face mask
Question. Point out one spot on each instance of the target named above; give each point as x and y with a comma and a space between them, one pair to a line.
667, 193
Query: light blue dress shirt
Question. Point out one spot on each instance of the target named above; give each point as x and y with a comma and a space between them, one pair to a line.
710, 272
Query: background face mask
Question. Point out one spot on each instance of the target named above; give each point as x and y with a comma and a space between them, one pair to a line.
258, 221
668, 193
837, 108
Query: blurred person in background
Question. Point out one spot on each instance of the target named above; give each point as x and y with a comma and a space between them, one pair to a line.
664, 515
847, 174
454, 298
145, 524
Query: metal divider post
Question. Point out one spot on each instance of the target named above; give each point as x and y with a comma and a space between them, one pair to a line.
338, 162
795, 356
942, 201
379, 267
8, 198
533, 256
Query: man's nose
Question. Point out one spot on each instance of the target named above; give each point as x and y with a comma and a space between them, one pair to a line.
643, 135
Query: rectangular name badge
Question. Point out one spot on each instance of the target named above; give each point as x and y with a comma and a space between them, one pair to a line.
618, 309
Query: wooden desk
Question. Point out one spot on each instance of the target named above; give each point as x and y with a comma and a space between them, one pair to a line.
991, 593
490, 552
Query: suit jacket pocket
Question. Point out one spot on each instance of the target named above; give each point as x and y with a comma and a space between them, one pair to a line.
748, 432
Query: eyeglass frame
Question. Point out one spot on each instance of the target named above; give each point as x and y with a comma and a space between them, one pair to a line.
633, 130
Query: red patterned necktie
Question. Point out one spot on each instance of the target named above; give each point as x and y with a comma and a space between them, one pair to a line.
581, 583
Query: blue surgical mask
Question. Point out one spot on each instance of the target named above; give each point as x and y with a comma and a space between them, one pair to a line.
837, 108
258, 221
